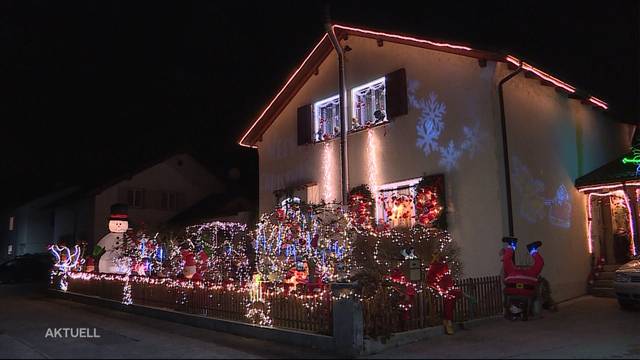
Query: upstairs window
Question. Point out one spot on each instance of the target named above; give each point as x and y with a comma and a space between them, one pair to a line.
369, 104
326, 116
135, 198
12, 223
168, 200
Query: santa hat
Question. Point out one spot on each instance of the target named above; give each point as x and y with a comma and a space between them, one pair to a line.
119, 212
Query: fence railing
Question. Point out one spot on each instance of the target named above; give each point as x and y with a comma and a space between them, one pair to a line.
311, 314
482, 298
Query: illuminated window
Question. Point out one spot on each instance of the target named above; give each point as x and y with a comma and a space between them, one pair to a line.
135, 198
11, 223
395, 203
326, 117
168, 200
10, 250
369, 104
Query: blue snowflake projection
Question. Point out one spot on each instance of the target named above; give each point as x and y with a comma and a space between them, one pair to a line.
449, 156
560, 208
430, 123
472, 139
533, 205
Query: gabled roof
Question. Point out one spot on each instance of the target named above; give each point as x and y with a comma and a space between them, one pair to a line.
324, 47
612, 173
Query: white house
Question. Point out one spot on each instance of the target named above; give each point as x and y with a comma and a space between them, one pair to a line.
155, 192
423, 107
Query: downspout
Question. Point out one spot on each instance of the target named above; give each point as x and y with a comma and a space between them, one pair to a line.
343, 113
505, 147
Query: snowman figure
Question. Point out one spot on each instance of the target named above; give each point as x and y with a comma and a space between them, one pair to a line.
118, 225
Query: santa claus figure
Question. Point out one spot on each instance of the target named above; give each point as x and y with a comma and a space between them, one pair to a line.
520, 282
439, 279
108, 245
189, 259
202, 263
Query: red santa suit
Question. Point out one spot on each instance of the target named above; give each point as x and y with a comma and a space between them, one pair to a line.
439, 278
521, 281
201, 265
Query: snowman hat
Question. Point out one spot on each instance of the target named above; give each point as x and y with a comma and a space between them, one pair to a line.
119, 212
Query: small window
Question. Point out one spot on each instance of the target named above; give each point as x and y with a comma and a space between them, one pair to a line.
369, 104
395, 204
10, 250
135, 198
168, 200
326, 116
12, 223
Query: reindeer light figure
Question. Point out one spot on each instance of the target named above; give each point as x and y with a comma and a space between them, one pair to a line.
65, 261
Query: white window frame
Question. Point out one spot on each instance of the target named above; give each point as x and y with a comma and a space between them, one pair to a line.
317, 108
169, 196
390, 188
137, 201
362, 123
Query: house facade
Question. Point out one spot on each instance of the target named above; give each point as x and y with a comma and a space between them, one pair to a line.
418, 108
154, 193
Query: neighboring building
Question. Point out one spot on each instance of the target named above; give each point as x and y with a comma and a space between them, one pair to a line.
29, 228
224, 207
155, 193
422, 107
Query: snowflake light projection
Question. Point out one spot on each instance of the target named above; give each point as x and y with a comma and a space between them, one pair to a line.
431, 124
449, 156
534, 207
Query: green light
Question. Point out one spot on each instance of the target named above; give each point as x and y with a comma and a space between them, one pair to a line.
635, 159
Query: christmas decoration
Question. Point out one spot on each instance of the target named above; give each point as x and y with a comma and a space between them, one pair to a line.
439, 279
106, 247
430, 202
361, 207
302, 233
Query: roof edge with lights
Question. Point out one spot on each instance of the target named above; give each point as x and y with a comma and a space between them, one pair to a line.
323, 48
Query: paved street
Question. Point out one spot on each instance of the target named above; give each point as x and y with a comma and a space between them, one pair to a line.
25, 316
583, 328
587, 327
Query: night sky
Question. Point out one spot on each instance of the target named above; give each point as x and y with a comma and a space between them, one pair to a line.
92, 88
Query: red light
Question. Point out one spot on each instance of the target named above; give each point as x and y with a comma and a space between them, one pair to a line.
598, 102
408, 38
542, 74
280, 92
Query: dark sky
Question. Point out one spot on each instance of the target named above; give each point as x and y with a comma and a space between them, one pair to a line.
91, 88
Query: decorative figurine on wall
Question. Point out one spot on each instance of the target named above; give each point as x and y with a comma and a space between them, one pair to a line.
106, 249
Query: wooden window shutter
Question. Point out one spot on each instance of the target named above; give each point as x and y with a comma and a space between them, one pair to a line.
305, 125
397, 102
